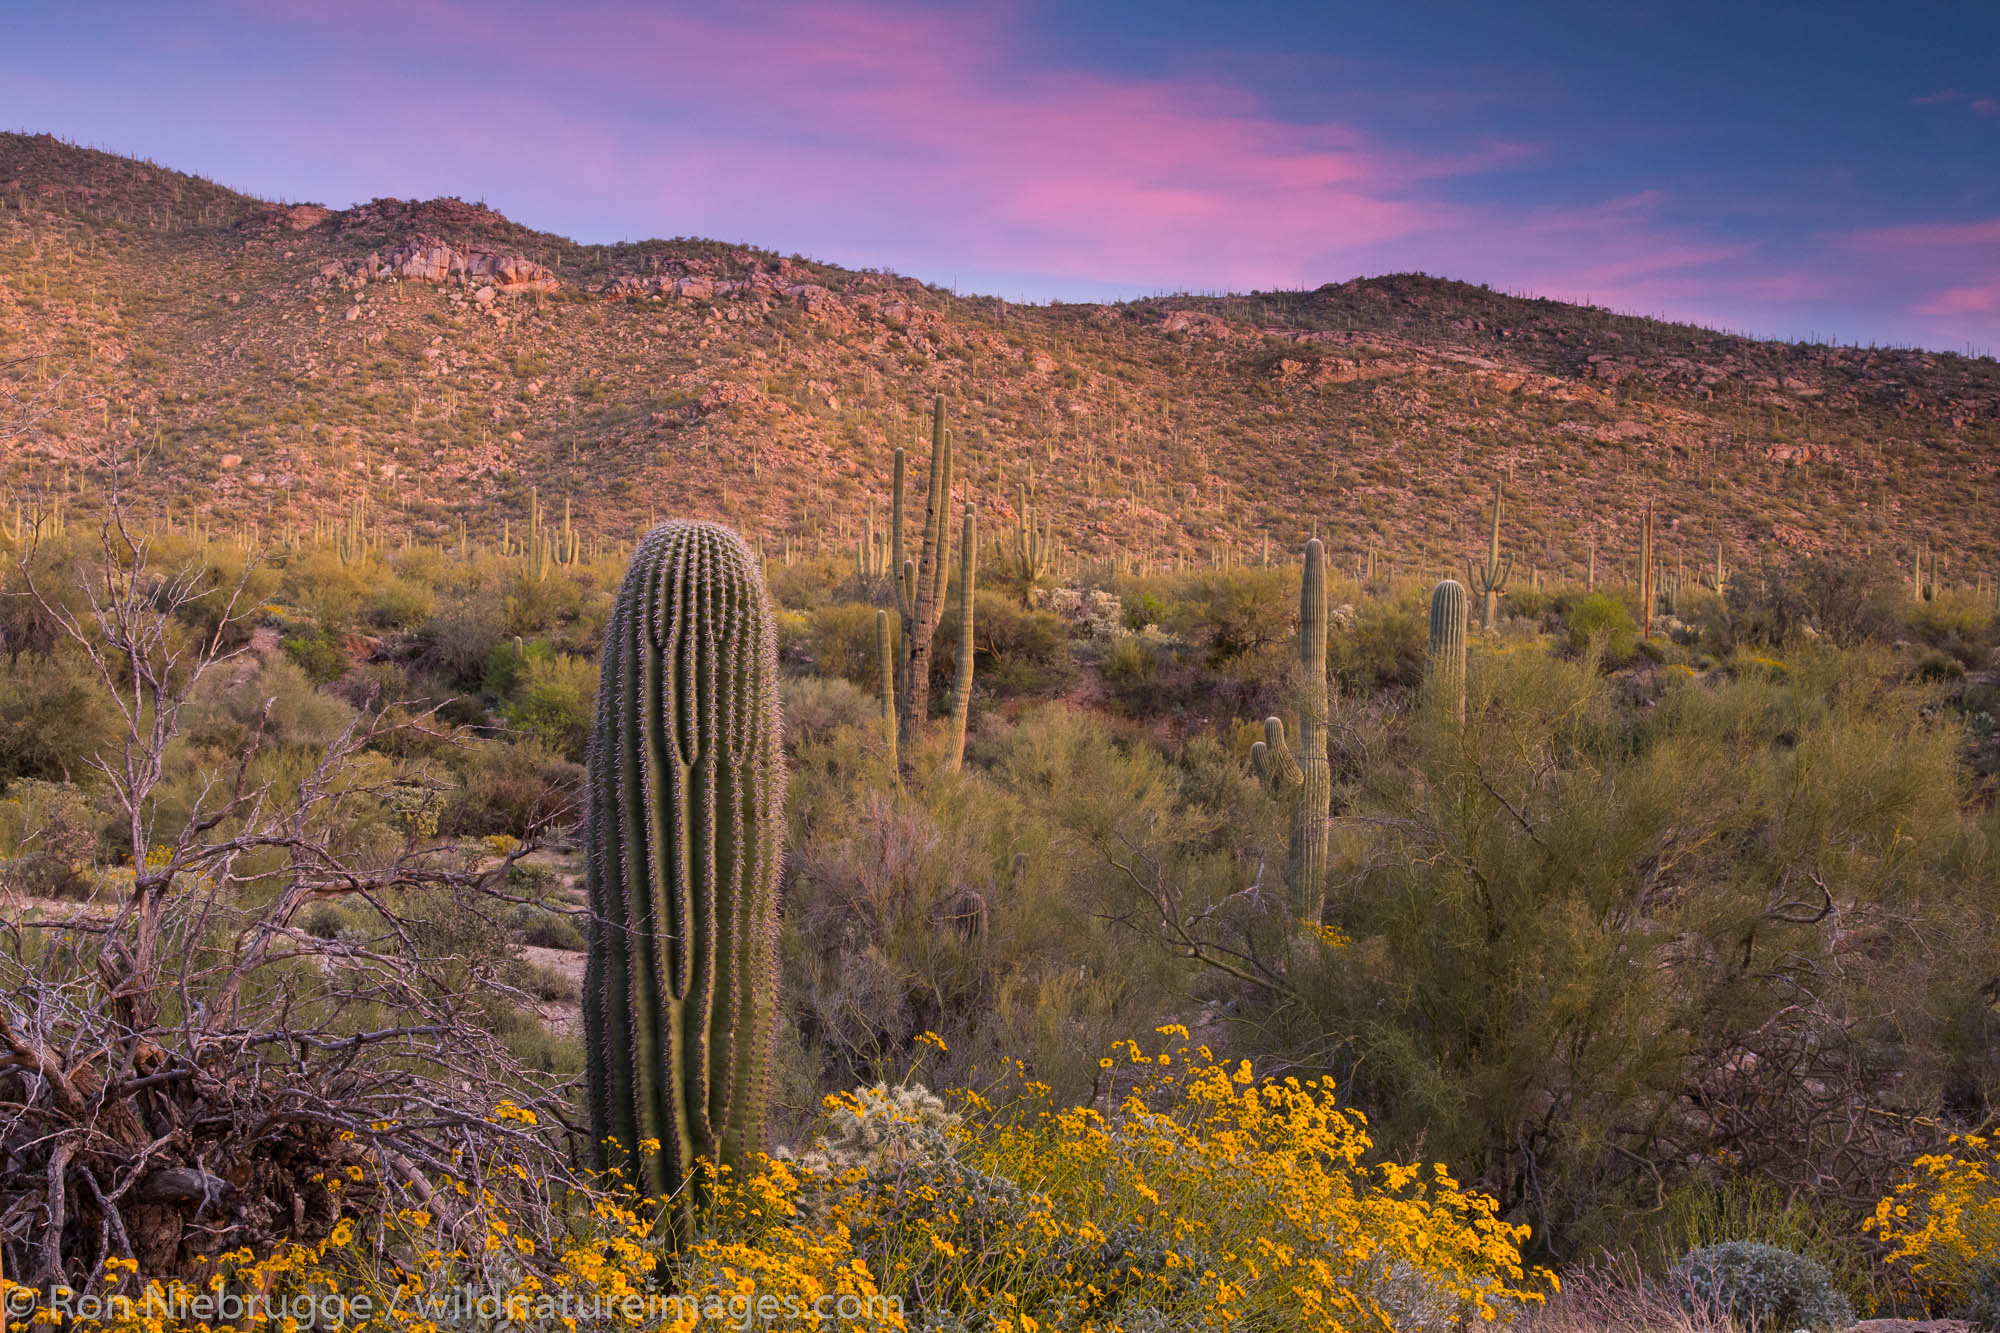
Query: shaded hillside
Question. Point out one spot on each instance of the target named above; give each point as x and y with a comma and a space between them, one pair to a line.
435, 361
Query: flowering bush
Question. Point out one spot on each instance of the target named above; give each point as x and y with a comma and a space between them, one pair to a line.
1208, 1199
1944, 1227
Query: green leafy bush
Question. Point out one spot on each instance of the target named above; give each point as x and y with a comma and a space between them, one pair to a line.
1602, 619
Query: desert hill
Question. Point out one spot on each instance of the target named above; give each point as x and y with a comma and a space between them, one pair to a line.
436, 363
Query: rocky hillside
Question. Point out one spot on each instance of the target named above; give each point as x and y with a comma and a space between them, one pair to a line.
435, 361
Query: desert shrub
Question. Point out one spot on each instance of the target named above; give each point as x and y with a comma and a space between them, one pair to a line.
1205, 1194
317, 651
459, 640
1934, 665
1383, 648
1846, 601
808, 584
842, 642
1016, 651
532, 605
508, 660
48, 839
1235, 613
1762, 1287
53, 718
816, 706
1602, 619
1702, 1212
1943, 1227
514, 788
553, 702
398, 603
1525, 603
547, 927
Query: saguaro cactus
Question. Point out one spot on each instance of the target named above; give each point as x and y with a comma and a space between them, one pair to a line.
683, 835
1034, 548
1490, 580
1305, 778
920, 582
885, 662
961, 685
1444, 664
1646, 574
1717, 580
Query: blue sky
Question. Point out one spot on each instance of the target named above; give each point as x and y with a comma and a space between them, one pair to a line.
1828, 170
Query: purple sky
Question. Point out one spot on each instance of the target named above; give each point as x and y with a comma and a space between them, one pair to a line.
1820, 170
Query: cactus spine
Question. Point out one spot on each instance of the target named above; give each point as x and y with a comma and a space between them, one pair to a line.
961, 685
683, 835
1490, 581
1306, 778
1444, 664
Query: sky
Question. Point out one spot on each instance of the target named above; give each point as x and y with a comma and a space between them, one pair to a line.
1826, 171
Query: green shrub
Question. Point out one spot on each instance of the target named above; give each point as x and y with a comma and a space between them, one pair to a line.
553, 702
318, 653
1017, 651
399, 604
1764, 1288
1602, 619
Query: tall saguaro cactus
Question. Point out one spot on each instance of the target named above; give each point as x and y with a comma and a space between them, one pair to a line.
961, 685
885, 664
1490, 580
1646, 594
684, 835
920, 583
1306, 778
1444, 664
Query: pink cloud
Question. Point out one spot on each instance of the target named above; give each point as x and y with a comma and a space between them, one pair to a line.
1980, 106
1963, 301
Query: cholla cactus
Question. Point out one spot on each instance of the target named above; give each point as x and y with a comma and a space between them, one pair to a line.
873, 1127
683, 837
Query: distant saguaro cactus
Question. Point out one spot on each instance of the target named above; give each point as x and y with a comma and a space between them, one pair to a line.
885, 665
683, 837
920, 582
1646, 594
1717, 579
1490, 579
961, 685
1444, 663
1033, 548
1305, 779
